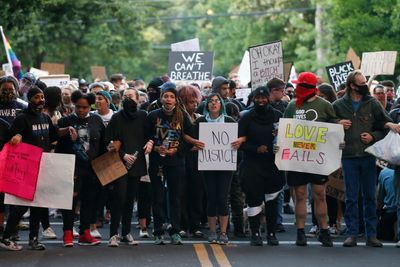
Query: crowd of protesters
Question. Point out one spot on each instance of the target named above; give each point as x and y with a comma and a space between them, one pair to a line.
155, 130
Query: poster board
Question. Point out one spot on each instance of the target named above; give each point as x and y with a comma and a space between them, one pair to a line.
189, 66
55, 186
108, 167
338, 73
354, 58
37, 72
378, 63
188, 45
217, 154
309, 146
243, 94
53, 68
266, 62
244, 69
99, 72
55, 80
287, 67
335, 186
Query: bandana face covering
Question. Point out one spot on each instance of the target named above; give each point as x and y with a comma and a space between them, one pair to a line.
303, 93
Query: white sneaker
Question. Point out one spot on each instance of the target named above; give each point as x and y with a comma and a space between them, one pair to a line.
333, 231
49, 234
128, 240
113, 242
9, 245
26, 214
313, 230
398, 244
95, 233
143, 234
75, 233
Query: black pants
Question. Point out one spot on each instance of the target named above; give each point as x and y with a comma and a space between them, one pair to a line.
122, 193
16, 213
332, 206
217, 185
237, 203
144, 201
2, 206
44, 218
173, 175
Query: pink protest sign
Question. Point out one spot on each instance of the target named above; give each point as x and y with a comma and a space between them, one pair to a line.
19, 169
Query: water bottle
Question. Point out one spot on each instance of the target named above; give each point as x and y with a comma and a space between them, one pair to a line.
127, 165
165, 144
276, 126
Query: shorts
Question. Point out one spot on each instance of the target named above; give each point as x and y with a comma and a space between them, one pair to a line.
302, 178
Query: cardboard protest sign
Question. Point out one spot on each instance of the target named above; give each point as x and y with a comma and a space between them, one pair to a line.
338, 73
287, 67
244, 69
217, 154
55, 80
188, 45
266, 62
19, 168
335, 186
188, 66
55, 186
99, 72
378, 63
309, 146
2, 73
352, 56
109, 167
53, 68
242, 94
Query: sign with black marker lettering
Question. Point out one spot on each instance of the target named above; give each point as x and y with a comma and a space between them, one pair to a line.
190, 66
338, 73
217, 154
266, 62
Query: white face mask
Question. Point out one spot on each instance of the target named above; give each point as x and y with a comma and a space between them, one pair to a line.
168, 110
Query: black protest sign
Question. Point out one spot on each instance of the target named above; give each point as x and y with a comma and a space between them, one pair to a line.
190, 66
266, 62
338, 73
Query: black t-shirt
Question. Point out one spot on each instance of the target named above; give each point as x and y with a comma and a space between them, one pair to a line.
36, 129
10, 111
5, 134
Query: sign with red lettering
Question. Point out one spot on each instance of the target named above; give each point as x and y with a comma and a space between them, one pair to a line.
309, 146
19, 169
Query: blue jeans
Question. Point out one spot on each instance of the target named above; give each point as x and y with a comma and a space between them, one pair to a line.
397, 190
360, 173
279, 217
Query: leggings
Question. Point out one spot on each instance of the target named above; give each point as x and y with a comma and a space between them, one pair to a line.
16, 213
217, 185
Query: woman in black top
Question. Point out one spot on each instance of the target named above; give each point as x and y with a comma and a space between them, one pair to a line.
166, 126
261, 180
87, 141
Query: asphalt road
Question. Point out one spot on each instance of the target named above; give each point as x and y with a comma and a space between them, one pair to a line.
197, 252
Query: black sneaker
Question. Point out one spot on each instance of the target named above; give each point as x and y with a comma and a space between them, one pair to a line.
36, 245
280, 228
301, 238
287, 209
239, 234
272, 240
256, 240
325, 238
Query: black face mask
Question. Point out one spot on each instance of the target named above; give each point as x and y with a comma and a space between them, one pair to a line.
260, 109
153, 96
362, 89
7, 96
37, 108
130, 108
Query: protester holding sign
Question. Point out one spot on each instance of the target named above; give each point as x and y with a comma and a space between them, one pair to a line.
217, 183
261, 180
309, 106
10, 106
5, 136
365, 120
166, 127
128, 127
86, 141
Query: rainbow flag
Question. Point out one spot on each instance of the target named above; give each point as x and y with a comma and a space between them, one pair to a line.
11, 57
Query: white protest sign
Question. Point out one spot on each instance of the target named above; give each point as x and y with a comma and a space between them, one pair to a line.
244, 69
7, 68
56, 80
37, 72
266, 62
188, 45
378, 63
309, 146
55, 186
217, 154
242, 94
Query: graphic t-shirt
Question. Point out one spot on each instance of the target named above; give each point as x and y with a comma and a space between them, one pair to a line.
317, 110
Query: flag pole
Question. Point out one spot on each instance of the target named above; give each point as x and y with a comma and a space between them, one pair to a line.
5, 46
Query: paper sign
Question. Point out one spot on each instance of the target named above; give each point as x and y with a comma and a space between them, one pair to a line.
108, 167
309, 146
287, 67
55, 186
266, 62
188, 45
53, 68
99, 72
7, 69
352, 56
19, 168
2, 73
55, 80
242, 94
335, 186
338, 73
244, 69
37, 72
378, 63
189, 66
217, 154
